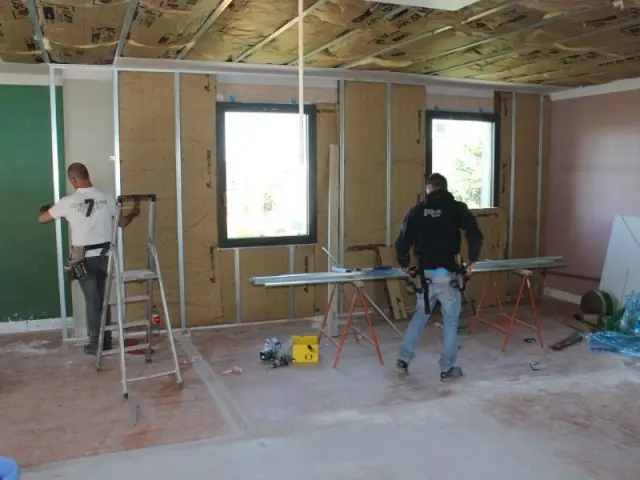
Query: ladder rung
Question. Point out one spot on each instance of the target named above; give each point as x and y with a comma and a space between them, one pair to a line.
138, 275
149, 377
137, 323
132, 348
136, 299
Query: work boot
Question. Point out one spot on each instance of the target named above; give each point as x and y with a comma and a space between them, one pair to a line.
402, 366
452, 374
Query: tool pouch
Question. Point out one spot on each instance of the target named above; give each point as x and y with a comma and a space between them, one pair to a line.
462, 277
76, 264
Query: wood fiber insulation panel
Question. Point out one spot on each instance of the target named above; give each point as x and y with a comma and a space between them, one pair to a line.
327, 135
504, 105
546, 137
365, 174
408, 154
202, 261
258, 303
527, 135
493, 223
526, 174
147, 164
305, 296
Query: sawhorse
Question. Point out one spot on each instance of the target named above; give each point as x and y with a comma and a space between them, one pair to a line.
362, 296
525, 283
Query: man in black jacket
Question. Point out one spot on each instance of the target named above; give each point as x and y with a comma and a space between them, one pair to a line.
432, 230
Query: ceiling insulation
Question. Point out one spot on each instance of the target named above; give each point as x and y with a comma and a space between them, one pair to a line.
556, 42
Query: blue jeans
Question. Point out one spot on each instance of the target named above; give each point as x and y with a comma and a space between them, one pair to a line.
440, 289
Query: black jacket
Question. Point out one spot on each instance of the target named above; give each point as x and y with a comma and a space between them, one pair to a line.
432, 229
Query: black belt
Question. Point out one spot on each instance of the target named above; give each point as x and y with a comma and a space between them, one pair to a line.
98, 246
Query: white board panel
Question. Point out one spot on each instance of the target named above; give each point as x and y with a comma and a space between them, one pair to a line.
621, 271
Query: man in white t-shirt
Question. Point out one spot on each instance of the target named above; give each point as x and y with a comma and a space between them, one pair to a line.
90, 213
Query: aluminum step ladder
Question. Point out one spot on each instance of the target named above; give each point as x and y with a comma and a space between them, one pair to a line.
121, 278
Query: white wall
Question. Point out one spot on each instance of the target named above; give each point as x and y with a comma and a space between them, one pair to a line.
88, 137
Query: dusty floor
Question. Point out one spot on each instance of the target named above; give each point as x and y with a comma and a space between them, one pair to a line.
577, 417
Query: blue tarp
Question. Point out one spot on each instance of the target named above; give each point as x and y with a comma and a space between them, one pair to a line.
614, 342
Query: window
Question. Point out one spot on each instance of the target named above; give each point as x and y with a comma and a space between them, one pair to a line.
462, 147
266, 191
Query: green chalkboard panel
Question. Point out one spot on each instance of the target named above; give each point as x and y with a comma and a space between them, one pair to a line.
28, 269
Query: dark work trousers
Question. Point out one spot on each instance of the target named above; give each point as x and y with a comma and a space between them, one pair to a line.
93, 289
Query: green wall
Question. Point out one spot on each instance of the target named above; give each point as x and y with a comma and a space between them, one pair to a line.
28, 270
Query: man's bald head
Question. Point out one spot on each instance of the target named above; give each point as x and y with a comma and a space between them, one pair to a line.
78, 175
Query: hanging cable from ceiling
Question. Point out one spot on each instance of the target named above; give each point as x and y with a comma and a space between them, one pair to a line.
302, 132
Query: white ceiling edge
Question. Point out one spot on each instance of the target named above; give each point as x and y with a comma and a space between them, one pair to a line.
454, 91
246, 79
277, 74
192, 66
447, 5
603, 89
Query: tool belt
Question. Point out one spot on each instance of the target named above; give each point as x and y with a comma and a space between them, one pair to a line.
76, 266
419, 283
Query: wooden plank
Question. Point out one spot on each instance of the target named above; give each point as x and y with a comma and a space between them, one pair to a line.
327, 135
504, 105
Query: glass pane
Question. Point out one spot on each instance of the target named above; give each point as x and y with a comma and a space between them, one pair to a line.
267, 181
462, 151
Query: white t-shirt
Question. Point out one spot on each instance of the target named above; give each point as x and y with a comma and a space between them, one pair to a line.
90, 213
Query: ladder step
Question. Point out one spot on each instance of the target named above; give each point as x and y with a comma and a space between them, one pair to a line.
149, 377
136, 299
138, 275
132, 348
137, 323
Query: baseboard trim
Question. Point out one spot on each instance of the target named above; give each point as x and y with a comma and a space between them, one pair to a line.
25, 326
562, 295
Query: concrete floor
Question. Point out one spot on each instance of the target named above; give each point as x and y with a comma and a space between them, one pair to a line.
578, 417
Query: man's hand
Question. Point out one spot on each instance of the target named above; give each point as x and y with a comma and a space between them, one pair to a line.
412, 270
45, 216
470, 268
135, 211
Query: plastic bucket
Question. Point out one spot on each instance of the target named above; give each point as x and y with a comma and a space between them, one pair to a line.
9, 469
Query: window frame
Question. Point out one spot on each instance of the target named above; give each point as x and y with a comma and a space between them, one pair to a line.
466, 116
221, 172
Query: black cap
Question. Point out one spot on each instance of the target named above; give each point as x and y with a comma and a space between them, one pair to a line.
437, 181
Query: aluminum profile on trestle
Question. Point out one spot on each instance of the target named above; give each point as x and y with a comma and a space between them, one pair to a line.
371, 275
